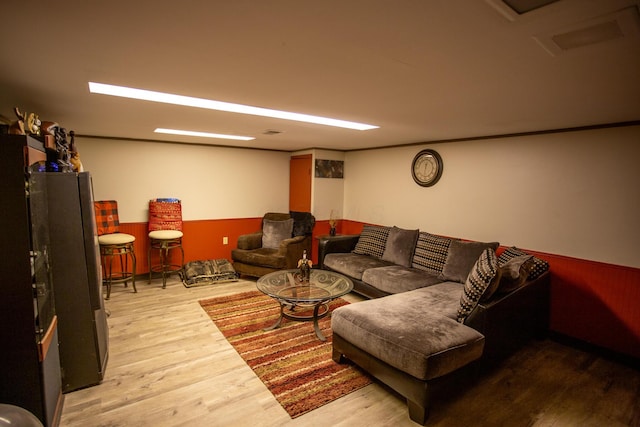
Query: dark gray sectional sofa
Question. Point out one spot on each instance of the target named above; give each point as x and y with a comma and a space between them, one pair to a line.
436, 305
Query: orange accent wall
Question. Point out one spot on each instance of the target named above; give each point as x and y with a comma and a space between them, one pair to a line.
202, 239
594, 302
300, 183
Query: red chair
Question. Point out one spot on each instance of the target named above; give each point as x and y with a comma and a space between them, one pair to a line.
112, 244
165, 234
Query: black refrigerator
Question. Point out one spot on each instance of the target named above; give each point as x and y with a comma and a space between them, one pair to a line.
77, 279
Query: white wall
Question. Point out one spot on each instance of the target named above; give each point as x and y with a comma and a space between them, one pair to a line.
573, 193
212, 182
328, 193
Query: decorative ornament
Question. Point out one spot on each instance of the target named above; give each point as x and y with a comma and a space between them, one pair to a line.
305, 265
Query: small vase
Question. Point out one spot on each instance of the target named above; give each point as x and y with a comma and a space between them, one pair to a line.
332, 231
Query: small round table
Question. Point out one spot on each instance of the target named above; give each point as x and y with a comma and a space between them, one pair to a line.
293, 292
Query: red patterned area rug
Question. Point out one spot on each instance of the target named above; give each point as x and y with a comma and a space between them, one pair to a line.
291, 361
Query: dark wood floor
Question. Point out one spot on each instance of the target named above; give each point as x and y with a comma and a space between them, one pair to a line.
170, 366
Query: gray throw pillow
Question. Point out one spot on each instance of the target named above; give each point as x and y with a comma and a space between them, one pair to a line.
400, 246
274, 232
484, 274
461, 258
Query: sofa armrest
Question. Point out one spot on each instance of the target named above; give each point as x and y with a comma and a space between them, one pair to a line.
335, 244
292, 249
509, 320
250, 241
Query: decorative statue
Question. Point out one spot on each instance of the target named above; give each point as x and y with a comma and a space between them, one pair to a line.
75, 156
17, 127
27, 124
305, 265
33, 124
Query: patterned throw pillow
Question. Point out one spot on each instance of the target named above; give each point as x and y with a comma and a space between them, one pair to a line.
482, 276
372, 241
431, 252
107, 220
539, 265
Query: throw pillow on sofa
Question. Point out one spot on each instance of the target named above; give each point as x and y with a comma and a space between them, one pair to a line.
483, 275
372, 241
515, 272
274, 232
400, 246
431, 252
539, 265
461, 258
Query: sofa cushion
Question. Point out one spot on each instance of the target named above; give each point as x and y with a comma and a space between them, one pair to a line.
461, 258
265, 257
514, 273
372, 240
351, 264
395, 278
400, 246
442, 298
398, 330
431, 252
274, 232
484, 273
540, 265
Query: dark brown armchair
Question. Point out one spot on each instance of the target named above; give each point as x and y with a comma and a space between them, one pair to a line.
277, 246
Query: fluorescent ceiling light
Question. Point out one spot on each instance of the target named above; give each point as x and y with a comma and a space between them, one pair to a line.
203, 134
189, 101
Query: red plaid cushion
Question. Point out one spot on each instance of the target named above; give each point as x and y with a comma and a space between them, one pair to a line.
165, 215
106, 216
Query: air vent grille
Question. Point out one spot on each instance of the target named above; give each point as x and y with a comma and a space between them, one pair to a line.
524, 6
591, 35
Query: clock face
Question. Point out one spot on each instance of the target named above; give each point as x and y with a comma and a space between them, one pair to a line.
426, 168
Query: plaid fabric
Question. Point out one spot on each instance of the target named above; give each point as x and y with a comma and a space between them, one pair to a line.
165, 215
106, 216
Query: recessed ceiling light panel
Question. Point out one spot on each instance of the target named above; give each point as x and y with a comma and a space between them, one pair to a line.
148, 95
202, 134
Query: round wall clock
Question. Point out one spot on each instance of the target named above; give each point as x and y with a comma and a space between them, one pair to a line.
426, 168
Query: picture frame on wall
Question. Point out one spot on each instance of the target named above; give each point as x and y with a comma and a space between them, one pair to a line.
329, 168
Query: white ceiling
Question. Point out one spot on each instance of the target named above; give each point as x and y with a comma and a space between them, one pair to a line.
422, 70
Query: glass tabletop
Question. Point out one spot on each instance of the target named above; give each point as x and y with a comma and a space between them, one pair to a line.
288, 285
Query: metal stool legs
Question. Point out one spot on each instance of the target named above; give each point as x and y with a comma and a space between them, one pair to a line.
164, 246
124, 250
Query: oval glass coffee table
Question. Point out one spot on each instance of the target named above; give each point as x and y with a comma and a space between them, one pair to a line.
297, 297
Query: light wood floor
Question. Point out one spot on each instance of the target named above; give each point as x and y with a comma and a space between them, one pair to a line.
170, 366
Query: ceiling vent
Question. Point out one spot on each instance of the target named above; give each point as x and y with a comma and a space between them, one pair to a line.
511, 9
624, 23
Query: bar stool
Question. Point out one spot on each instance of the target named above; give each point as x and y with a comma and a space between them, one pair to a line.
165, 234
114, 244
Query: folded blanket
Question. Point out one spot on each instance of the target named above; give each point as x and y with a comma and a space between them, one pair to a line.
207, 272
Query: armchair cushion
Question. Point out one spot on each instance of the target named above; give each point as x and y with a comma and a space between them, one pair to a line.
274, 232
